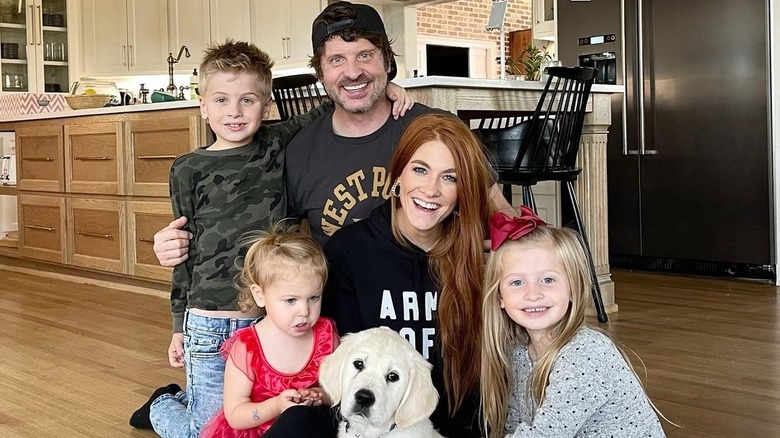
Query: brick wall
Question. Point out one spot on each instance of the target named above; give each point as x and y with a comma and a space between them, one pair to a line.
466, 19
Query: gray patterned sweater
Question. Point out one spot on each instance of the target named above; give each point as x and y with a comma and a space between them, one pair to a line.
591, 393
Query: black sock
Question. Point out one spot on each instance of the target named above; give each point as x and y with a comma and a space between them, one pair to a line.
140, 418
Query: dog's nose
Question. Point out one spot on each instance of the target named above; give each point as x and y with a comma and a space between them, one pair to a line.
364, 398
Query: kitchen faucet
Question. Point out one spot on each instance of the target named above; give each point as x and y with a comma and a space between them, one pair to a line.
171, 89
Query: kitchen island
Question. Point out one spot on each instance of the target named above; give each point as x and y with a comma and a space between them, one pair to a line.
92, 187
475, 98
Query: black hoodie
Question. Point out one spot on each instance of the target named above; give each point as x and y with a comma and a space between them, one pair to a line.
375, 281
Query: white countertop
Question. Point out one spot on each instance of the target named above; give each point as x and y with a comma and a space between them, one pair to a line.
449, 81
179, 104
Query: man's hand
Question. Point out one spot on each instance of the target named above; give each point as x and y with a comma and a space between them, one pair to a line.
171, 243
402, 102
176, 351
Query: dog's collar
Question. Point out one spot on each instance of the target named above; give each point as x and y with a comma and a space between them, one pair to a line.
347, 426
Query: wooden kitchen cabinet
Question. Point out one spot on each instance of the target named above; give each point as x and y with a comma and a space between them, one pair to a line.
94, 158
40, 158
96, 236
143, 220
124, 36
152, 145
42, 229
93, 189
283, 29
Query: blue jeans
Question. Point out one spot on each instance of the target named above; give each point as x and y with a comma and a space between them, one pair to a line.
183, 415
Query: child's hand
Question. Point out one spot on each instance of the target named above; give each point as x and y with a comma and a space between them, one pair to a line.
402, 102
289, 397
176, 351
315, 396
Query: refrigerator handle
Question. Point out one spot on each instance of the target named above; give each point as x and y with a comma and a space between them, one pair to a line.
641, 74
625, 84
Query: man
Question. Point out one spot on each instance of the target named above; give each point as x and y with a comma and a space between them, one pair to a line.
336, 168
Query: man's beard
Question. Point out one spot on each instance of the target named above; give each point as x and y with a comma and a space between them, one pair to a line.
380, 85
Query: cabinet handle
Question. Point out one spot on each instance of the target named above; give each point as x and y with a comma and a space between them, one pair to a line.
38, 159
40, 25
102, 236
36, 227
130, 55
31, 30
157, 157
289, 47
124, 56
93, 158
145, 239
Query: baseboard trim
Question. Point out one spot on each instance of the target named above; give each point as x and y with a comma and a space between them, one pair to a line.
160, 291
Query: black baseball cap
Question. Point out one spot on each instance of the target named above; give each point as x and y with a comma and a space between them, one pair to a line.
366, 19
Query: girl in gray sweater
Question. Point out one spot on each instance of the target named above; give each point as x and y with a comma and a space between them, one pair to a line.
544, 374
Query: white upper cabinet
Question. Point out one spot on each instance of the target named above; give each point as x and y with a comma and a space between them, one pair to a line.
188, 25
124, 36
544, 19
232, 19
283, 29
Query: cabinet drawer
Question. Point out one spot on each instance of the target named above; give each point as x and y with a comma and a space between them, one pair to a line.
145, 219
42, 227
96, 235
40, 158
153, 145
94, 162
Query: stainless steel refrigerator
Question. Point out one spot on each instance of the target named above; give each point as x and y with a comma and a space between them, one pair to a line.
689, 165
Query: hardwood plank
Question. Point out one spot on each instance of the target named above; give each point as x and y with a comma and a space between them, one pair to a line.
711, 349
78, 359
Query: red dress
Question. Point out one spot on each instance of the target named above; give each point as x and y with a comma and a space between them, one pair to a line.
247, 354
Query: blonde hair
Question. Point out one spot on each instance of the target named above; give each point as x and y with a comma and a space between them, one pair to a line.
501, 334
456, 259
237, 57
282, 252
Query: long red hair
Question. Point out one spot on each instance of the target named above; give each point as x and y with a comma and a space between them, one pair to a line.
456, 260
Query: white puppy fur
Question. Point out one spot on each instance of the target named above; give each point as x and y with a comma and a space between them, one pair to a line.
383, 386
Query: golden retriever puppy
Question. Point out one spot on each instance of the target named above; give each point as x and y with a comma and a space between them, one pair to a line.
381, 386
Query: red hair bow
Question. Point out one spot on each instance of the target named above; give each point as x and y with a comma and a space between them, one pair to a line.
503, 227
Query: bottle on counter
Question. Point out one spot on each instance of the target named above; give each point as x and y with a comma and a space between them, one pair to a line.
194, 84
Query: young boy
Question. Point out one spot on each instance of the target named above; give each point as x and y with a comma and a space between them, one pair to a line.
225, 190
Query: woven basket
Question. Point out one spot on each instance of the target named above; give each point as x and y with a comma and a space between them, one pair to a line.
88, 101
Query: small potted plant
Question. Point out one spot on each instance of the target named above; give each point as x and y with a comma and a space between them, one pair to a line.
532, 59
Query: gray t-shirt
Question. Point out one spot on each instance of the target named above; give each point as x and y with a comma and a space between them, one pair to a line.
591, 393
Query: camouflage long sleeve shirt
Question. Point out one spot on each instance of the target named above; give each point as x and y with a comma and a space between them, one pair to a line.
224, 195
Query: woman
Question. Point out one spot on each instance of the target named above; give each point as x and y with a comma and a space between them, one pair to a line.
415, 264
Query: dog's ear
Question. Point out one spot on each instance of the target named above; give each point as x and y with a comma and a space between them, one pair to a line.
332, 368
421, 397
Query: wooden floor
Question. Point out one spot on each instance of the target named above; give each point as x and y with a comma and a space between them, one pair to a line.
76, 360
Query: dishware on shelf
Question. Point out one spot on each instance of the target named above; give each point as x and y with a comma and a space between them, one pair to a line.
9, 50
57, 20
14, 81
